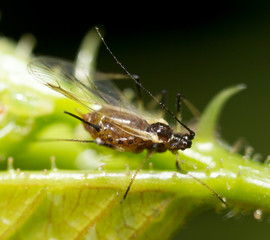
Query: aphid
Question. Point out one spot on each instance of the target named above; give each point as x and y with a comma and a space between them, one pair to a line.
111, 120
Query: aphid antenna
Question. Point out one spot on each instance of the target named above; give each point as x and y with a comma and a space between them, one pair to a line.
67, 140
192, 133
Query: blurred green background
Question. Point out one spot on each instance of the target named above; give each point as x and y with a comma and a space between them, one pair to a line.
196, 48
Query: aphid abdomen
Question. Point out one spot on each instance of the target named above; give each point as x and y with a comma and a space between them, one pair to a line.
115, 130
120, 139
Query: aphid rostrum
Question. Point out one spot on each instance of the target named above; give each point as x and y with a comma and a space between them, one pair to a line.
112, 120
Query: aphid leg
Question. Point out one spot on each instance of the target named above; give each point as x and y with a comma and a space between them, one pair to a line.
179, 99
177, 161
191, 107
148, 155
163, 100
178, 105
238, 145
209, 188
84, 121
198, 180
163, 96
178, 110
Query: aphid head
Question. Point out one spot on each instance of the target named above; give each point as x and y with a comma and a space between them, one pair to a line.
180, 141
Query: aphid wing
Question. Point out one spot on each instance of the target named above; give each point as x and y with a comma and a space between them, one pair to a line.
146, 136
61, 76
111, 95
133, 130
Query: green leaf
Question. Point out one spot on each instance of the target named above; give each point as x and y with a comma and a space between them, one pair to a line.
84, 202
76, 205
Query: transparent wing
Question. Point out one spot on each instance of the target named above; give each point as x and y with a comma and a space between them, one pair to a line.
63, 77
77, 85
135, 132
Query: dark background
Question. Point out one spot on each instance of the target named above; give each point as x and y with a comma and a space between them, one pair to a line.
196, 48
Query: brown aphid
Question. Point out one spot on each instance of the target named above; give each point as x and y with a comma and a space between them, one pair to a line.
111, 120
122, 130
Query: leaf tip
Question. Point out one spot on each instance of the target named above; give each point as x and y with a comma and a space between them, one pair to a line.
241, 86
210, 116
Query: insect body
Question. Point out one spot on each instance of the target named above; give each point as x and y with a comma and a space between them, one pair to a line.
120, 129
111, 120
